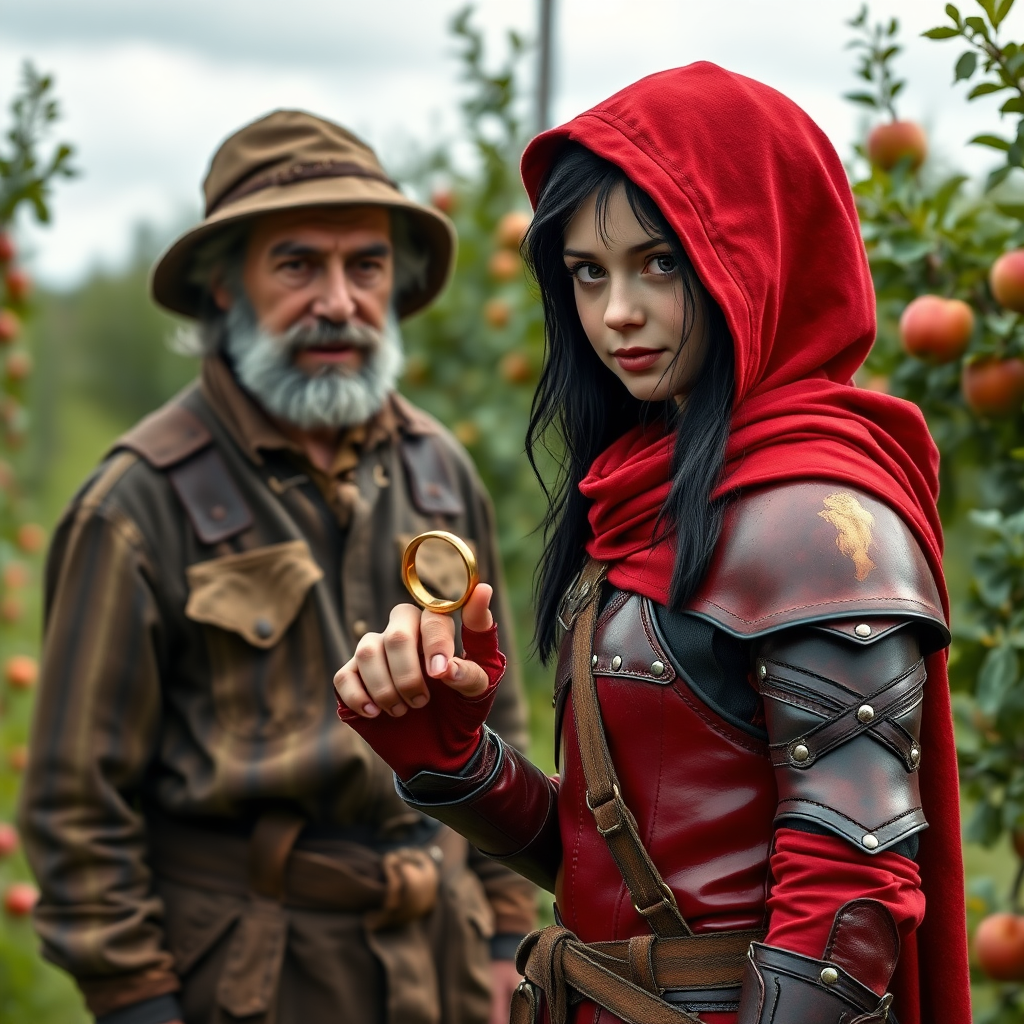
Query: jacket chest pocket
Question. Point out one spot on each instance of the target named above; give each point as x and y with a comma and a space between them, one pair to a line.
263, 638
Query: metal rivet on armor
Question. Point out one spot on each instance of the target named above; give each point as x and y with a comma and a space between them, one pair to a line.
829, 976
584, 590
870, 842
800, 752
264, 629
863, 630
359, 628
218, 513
762, 669
657, 667
593, 661
865, 713
616, 663
915, 755
436, 854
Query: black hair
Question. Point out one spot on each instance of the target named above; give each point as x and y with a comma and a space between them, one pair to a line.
581, 407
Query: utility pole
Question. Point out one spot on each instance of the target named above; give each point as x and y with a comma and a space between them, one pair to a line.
544, 64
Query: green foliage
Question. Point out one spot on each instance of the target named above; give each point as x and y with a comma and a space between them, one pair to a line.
878, 47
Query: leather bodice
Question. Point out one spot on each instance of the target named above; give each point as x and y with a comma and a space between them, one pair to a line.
701, 788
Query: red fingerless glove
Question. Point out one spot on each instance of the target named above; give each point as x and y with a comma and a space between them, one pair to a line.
444, 734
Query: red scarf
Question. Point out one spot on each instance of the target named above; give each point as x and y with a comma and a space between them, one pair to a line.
760, 201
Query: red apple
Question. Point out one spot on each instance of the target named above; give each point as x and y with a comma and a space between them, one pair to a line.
516, 368
443, 199
7, 252
993, 386
20, 898
504, 265
890, 143
497, 313
936, 329
31, 537
10, 326
467, 432
19, 364
11, 608
22, 672
19, 284
8, 839
511, 229
17, 758
15, 575
999, 946
1006, 279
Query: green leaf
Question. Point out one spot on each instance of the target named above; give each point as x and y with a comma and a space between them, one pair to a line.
992, 141
999, 672
984, 88
978, 24
985, 825
997, 177
1015, 210
862, 97
1014, 105
953, 13
966, 65
940, 33
1002, 10
989, 7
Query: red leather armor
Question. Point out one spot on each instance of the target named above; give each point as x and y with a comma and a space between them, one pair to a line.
702, 789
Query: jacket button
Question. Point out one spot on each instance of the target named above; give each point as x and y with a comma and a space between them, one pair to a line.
865, 713
616, 663
218, 513
870, 842
264, 629
829, 976
657, 667
801, 752
359, 628
863, 631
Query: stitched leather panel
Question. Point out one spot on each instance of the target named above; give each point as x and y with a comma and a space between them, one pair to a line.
211, 498
430, 481
865, 943
814, 552
865, 788
166, 437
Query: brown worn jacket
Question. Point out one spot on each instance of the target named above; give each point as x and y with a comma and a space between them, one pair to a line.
192, 633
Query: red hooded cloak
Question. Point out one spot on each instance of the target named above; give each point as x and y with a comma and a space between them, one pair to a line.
761, 204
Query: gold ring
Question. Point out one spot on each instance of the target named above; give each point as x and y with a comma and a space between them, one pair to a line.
423, 597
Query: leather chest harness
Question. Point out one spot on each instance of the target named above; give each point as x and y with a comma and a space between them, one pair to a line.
627, 977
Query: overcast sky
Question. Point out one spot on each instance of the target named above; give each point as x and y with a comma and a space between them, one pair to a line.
150, 87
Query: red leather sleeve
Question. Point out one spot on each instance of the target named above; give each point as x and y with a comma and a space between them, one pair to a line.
442, 735
815, 875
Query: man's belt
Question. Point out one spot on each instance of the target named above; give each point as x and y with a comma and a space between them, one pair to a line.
351, 877
643, 980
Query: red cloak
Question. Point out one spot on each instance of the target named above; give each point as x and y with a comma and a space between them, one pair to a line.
761, 204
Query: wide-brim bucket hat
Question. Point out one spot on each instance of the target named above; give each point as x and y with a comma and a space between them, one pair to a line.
288, 160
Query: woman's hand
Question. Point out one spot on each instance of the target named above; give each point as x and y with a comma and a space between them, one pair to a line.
411, 666
387, 672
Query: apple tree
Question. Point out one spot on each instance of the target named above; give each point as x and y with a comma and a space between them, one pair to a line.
949, 276
29, 989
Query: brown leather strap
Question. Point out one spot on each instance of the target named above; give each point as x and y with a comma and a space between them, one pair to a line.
846, 714
652, 897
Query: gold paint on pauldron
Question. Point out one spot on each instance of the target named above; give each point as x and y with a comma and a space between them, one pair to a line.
853, 523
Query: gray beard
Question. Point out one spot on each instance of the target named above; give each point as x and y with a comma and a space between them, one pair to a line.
332, 397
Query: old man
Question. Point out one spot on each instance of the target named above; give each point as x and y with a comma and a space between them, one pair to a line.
211, 843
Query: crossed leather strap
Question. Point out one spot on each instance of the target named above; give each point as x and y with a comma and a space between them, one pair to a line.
625, 977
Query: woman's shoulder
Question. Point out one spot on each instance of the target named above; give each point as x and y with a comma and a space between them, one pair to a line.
814, 551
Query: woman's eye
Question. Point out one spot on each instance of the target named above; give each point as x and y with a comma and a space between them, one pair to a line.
664, 264
588, 273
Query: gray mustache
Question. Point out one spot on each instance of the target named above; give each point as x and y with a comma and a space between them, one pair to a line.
327, 333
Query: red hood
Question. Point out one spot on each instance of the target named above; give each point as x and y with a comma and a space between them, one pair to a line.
762, 206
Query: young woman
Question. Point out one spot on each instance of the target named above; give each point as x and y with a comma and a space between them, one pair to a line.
742, 582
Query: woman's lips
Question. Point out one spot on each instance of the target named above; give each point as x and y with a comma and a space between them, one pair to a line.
636, 360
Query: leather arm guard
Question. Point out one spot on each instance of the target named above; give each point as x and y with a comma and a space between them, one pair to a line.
842, 706
780, 987
502, 803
